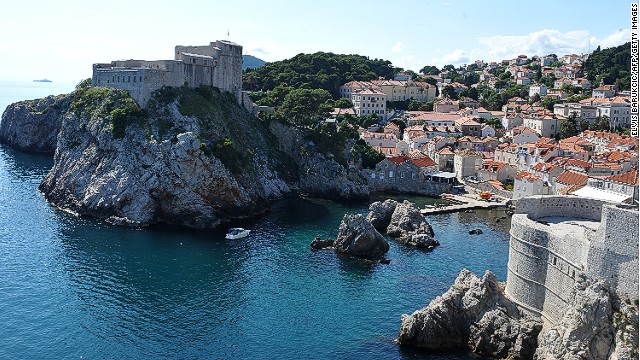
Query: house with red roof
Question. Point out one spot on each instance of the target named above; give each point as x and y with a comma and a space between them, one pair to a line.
444, 158
567, 179
621, 186
466, 163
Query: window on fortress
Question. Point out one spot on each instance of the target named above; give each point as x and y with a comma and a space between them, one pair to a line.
554, 261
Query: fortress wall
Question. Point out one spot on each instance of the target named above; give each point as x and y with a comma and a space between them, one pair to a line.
139, 82
613, 254
218, 64
545, 259
560, 206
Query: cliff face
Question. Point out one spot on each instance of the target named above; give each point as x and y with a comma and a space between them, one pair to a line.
174, 164
475, 314
33, 125
319, 174
193, 157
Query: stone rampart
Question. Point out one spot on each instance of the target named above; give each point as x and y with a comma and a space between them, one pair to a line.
556, 239
218, 64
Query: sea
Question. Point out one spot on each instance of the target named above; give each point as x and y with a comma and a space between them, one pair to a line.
78, 288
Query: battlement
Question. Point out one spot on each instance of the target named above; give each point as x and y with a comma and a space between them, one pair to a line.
218, 64
557, 239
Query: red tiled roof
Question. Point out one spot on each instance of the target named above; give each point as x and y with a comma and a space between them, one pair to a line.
572, 178
544, 167
398, 159
493, 166
445, 151
496, 184
423, 162
630, 178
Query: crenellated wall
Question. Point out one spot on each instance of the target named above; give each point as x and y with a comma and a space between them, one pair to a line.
555, 239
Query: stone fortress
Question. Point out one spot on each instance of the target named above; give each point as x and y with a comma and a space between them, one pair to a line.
218, 64
557, 239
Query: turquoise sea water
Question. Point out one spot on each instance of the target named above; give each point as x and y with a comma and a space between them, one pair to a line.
77, 288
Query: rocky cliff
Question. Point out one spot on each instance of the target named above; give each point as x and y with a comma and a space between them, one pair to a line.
33, 125
320, 175
597, 325
475, 314
193, 157
183, 161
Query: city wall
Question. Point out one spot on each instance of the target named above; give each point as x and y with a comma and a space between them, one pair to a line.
556, 239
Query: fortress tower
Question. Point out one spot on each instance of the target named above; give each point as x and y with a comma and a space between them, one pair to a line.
556, 239
218, 64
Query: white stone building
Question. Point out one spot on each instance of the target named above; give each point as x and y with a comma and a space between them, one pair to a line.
370, 101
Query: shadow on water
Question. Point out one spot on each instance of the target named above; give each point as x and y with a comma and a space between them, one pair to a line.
25, 165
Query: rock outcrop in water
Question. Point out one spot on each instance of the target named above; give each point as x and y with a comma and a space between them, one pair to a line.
403, 222
473, 314
380, 213
33, 125
358, 238
193, 157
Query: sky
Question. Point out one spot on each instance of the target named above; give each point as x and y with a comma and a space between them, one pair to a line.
60, 40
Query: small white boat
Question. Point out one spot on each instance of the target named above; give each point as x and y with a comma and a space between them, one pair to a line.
237, 233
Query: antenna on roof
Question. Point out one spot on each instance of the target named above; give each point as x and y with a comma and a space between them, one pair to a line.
227, 34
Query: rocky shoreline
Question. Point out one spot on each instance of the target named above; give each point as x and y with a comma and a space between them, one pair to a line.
170, 163
475, 314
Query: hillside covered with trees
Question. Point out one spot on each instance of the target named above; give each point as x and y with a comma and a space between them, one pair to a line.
316, 71
610, 65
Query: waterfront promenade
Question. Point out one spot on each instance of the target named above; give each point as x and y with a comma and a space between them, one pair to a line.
464, 202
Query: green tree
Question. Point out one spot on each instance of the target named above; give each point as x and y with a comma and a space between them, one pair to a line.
343, 103
601, 124
84, 84
306, 107
430, 70
569, 127
534, 99
449, 92
549, 102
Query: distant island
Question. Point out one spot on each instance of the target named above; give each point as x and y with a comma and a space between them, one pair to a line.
43, 80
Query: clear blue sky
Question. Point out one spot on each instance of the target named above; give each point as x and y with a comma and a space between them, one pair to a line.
60, 40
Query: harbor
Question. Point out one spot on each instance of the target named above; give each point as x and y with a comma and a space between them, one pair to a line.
464, 202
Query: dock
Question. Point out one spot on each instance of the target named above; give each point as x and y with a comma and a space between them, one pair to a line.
463, 203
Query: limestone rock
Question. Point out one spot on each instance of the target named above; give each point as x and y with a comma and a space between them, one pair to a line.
473, 314
407, 222
320, 175
358, 238
380, 213
319, 244
422, 241
33, 125
596, 325
162, 168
